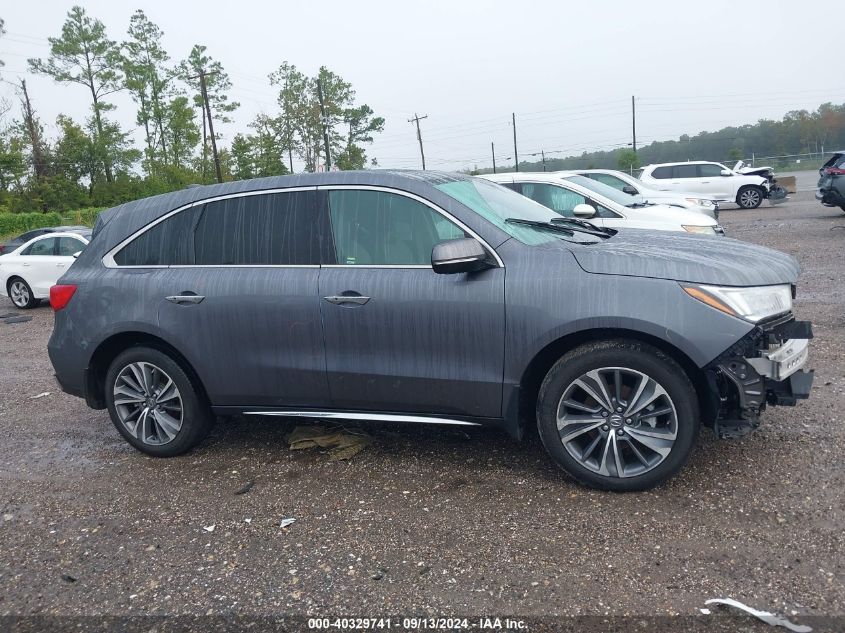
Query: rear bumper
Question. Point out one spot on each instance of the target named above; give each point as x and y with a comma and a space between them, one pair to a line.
830, 197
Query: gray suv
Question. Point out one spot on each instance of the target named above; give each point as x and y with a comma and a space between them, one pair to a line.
431, 298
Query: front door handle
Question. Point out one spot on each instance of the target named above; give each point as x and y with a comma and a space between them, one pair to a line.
185, 298
341, 299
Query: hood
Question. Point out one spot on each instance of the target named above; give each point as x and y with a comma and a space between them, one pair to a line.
662, 214
686, 257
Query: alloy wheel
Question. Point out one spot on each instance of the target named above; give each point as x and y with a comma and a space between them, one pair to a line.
19, 293
148, 403
749, 198
617, 422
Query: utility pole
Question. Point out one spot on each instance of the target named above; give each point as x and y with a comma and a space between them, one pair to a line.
515, 153
207, 111
416, 120
634, 122
325, 124
38, 163
493, 149
543, 155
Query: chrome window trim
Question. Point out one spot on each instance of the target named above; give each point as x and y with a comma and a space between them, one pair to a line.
357, 415
108, 258
412, 196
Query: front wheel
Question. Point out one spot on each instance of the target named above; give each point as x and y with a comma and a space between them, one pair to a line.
154, 404
749, 197
21, 294
618, 415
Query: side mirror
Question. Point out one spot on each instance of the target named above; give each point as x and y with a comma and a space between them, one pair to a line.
463, 255
584, 210
76, 254
629, 189
726, 172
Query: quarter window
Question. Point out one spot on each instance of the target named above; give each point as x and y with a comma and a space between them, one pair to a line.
168, 243
47, 246
269, 229
380, 228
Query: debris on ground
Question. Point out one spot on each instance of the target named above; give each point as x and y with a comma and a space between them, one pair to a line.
43, 394
287, 522
68, 578
245, 488
765, 616
343, 443
17, 319
209, 528
9, 315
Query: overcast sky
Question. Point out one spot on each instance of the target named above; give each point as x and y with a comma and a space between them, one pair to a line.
567, 71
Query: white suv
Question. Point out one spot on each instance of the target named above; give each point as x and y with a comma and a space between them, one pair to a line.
713, 180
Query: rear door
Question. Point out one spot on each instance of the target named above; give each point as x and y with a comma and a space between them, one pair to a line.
236, 287
399, 337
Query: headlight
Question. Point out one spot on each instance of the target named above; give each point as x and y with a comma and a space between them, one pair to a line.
704, 230
753, 304
701, 202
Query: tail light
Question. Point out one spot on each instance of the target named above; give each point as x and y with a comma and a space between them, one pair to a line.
60, 295
834, 171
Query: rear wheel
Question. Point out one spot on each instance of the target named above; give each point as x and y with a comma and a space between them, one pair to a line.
618, 415
21, 294
749, 197
154, 404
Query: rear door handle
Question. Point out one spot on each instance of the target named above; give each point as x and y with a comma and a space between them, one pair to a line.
341, 299
185, 298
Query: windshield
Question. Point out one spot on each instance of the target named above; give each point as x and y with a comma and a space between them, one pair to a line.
497, 204
611, 193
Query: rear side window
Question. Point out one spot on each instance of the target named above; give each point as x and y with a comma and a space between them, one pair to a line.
46, 246
268, 229
259, 230
662, 173
168, 243
686, 171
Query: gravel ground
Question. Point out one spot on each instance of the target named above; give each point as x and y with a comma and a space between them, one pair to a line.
427, 520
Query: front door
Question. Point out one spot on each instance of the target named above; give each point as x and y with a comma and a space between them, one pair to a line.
398, 336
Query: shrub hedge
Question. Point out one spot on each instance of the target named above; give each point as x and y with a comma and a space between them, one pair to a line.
14, 223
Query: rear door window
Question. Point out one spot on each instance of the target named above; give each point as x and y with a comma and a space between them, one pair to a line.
68, 246
47, 246
278, 229
662, 173
685, 171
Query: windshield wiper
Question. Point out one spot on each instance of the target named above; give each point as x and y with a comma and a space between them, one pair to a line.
541, 225
582, 226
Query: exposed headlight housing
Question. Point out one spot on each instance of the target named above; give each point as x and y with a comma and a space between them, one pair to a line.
753, 303
695, 228
701, 202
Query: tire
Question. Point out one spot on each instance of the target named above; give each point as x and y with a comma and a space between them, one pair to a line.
21, 294
590, 455
842, 207
175, 421
749, 197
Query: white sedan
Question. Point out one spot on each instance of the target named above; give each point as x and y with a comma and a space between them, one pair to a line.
576, 196
27, 273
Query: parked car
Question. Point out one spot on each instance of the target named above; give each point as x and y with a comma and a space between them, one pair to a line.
571, 195
28, 272
636, 187
708, 179
425, 297
21, 239
831, 187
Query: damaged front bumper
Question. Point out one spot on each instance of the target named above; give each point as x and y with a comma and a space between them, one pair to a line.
765, 368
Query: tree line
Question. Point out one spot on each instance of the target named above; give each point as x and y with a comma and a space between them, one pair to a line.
798, 132
95, 162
